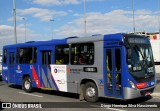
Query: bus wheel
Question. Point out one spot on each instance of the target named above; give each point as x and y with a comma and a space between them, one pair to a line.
90, 92
27, 84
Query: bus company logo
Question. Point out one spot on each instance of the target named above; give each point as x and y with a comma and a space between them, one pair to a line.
5, 68
55, 70
59, 71
18, 67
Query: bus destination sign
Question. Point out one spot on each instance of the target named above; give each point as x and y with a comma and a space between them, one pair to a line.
137, 40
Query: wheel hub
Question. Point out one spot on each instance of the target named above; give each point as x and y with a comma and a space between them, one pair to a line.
27, 84
90, 92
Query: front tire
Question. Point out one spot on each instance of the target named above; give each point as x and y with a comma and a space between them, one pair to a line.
27, 84
90, 92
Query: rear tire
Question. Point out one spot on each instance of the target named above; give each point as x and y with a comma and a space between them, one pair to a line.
27, 84
90, 92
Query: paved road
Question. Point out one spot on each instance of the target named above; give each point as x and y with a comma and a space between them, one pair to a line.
15, 94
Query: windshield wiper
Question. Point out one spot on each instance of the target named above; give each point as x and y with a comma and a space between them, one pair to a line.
138, 50
144, 62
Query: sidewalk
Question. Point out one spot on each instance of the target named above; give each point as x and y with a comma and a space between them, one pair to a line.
157, 68
156, 91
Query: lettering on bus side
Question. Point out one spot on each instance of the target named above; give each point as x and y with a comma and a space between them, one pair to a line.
90, 69
76, 71
5, 68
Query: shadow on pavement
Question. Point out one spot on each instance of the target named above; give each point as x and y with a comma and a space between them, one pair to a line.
131, 101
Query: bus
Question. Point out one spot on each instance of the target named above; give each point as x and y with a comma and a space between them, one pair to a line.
117, 66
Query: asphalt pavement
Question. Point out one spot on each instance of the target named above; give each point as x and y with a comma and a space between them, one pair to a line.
53, 100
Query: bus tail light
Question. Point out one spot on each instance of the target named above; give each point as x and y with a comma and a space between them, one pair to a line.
132, 84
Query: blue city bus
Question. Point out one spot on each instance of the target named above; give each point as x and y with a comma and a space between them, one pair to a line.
117, 66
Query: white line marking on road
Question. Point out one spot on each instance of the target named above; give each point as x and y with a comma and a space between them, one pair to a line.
116, 109
30, 94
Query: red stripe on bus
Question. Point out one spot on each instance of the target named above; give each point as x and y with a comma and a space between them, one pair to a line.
35, 77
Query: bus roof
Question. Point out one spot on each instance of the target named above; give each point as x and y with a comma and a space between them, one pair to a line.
36, 43
108, 37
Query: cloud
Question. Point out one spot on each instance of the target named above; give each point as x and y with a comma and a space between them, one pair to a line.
7, 34
110, 22
18, 18
56, 2
62, 2
42, 14
143, 12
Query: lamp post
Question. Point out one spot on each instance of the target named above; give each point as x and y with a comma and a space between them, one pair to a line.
24, 27
14, 13
52, 28
85, 22
133, 16
159, 16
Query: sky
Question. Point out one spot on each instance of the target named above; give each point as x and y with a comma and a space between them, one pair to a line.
102, 17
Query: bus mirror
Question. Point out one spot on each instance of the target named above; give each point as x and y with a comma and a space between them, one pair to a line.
129, 53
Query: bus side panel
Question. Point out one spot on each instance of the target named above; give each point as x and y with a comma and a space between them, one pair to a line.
5, 73
5, 67
76, 73
22, 70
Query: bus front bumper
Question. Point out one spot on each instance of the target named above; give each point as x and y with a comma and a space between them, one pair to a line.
131, 93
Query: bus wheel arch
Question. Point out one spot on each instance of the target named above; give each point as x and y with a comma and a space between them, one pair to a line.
88, 90
27, 83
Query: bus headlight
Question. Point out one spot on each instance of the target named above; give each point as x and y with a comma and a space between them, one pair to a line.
132, 84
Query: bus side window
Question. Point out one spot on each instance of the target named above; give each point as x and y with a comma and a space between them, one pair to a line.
49, 57
34, 55
62, 54
11, 58
118, 66
109, 66
118, 59
82, 54
4, 56
44, 62
24, 56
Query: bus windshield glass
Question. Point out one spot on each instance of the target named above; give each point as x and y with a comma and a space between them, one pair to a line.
140, 58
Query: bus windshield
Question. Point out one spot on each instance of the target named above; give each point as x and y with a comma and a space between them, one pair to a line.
140, 61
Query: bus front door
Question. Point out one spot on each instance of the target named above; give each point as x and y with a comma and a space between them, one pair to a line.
113, 73
45, 72
11, 69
